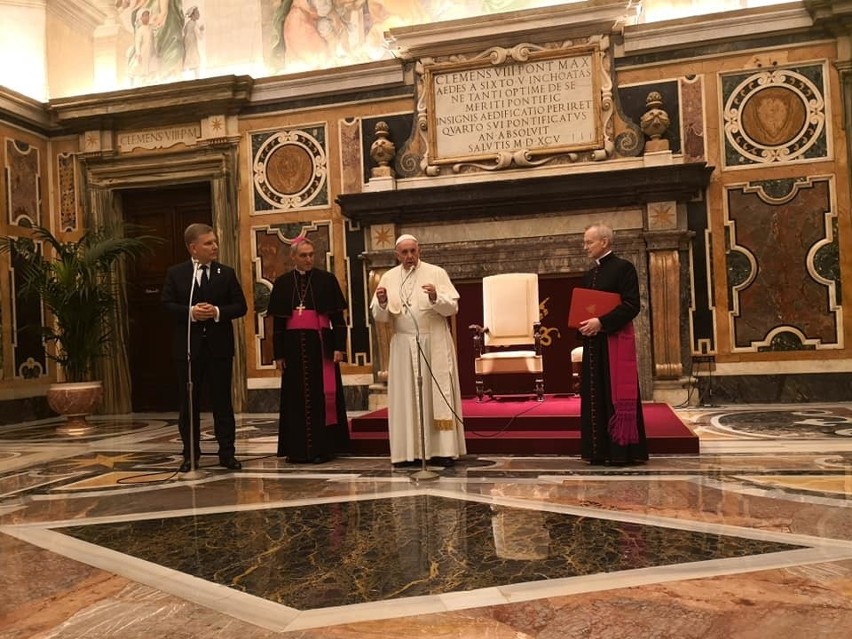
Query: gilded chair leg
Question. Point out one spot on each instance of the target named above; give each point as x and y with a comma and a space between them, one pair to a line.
480, 389
539, 389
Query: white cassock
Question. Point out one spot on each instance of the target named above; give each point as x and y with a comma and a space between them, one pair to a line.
408, 309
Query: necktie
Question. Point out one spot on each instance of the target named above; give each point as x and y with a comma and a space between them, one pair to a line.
203, 281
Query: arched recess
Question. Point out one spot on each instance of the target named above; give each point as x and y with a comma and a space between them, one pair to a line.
102, 176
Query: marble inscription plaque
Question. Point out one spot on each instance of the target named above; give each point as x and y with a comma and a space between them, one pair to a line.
546, 103
159, 138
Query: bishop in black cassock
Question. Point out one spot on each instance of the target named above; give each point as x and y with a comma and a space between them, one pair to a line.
308, 328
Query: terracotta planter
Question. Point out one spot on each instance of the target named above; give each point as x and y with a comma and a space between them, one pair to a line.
75, 401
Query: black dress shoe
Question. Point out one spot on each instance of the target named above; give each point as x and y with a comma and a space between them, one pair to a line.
407, 464
186, 466
230, 463
445, 462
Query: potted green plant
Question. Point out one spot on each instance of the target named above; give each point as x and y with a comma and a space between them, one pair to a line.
75, 280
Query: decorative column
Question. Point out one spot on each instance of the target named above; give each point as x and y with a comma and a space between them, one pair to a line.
114, 370
223, 187
665, 289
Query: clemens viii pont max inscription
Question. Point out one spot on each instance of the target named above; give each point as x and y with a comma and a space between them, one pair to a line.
510, 109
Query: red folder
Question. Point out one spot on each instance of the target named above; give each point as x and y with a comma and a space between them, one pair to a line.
587, 303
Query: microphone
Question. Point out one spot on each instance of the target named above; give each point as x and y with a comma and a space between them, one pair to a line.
406, 299
194, 284
407, 304
194, 472
192, 287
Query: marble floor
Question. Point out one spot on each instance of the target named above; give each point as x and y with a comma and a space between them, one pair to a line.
99, 537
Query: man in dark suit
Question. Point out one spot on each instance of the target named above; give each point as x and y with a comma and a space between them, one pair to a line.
216, 299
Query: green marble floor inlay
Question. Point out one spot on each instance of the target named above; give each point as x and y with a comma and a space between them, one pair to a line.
355, 552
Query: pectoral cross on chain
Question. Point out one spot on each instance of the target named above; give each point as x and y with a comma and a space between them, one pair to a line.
300, 308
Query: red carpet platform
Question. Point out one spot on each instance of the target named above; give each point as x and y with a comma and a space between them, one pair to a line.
527, 427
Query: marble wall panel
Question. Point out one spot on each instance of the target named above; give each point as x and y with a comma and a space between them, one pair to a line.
66, 171
780, 292
289, 169
29, 355
701, 302
773, 389
268, 400
23, 175
351, 155
358, 296
271, 259
692, 118
776, 115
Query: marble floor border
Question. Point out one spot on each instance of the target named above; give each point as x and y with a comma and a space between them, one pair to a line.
281, 618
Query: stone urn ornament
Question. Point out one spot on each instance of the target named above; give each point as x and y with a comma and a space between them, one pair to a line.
654, 123
382, 151
75, 401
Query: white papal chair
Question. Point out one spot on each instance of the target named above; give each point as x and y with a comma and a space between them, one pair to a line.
510, 311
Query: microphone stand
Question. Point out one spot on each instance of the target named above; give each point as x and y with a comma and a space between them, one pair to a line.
194, 472
423, 474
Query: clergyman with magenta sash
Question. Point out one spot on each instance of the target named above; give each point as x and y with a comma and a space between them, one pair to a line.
309, 342
612, 427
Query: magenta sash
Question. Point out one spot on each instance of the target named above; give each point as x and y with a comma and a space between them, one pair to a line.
306, 320
624, 382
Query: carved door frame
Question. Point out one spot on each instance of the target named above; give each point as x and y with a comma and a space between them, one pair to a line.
102, 175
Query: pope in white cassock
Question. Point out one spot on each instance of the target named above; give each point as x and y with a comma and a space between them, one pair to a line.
416, 295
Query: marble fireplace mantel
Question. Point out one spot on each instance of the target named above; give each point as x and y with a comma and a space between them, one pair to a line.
528, 196
552, 247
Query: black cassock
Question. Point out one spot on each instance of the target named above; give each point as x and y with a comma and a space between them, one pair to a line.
303, 432
615, 275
